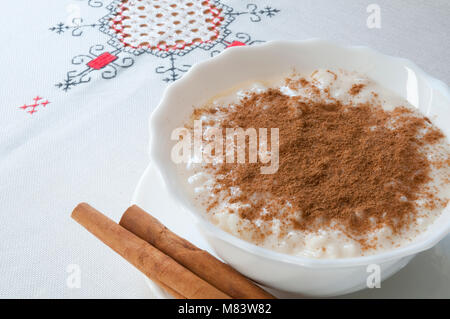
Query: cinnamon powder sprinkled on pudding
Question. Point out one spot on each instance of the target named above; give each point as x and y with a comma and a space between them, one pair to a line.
360, 170
356, 88
352, 167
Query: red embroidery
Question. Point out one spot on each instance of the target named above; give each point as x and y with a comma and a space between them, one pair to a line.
44, 104
235, 44
34, 105
116, 25
101, 61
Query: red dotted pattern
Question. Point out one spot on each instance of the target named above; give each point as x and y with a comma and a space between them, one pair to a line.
216, 22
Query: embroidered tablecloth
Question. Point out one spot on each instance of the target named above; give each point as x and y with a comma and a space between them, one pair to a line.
79, 79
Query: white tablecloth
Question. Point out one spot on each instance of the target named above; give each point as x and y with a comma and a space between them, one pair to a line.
72, 133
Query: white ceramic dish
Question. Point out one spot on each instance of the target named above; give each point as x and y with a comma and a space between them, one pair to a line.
426, 276
311, 277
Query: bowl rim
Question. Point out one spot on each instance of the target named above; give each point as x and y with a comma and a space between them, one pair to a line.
382, 257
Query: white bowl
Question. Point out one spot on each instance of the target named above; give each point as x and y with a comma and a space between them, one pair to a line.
311, 277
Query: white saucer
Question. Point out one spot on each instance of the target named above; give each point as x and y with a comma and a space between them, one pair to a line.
426, 276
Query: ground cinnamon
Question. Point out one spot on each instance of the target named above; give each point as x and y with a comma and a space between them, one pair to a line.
356, 88
356, 167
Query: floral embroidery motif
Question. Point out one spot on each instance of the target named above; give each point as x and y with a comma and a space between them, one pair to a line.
166, 29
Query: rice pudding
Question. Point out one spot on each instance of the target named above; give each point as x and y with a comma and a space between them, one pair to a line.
359, 170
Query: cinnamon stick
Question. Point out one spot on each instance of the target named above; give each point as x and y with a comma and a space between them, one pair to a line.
149, 260
200, 262
169, 290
